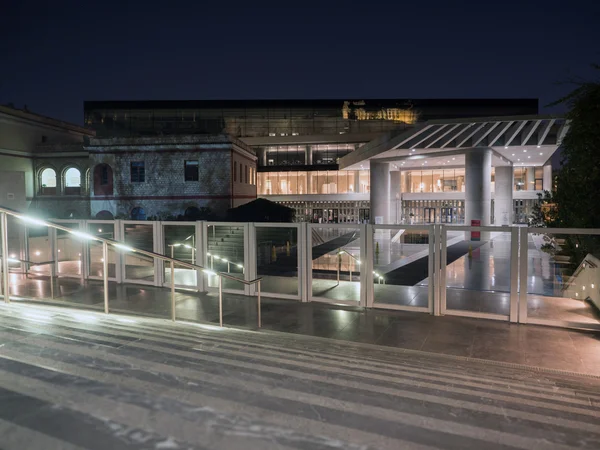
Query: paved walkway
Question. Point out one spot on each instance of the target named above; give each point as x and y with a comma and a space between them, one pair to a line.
73, 380
474, 338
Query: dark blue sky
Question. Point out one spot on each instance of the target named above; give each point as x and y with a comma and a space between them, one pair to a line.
55, 55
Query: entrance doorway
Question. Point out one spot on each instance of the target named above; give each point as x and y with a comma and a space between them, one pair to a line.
364, 215
447, 215
429, 215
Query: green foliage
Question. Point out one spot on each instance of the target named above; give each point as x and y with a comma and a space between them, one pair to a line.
578, 182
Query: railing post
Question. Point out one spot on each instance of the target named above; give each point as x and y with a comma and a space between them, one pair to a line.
220, 300
5, 274
514, 274
53, 258
350, 257
258, 304
172, 289
433, 269
105, 274
523, 244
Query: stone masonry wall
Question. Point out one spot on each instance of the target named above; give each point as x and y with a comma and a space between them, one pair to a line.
165, 191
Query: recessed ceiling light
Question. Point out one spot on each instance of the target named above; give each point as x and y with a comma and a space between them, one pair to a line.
529, 157
525, 151
541, 153
413, 150
505, 146
518, 159
538, 146
453, 159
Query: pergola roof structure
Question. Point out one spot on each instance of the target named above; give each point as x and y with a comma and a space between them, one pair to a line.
518, 141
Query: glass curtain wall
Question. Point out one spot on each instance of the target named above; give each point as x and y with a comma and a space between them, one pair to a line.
314, 182
436, 180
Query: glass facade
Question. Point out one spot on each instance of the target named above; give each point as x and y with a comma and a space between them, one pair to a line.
242, 121
313, 182
440, 180
528, 178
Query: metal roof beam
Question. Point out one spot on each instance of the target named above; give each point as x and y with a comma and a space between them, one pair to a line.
528, 132
454, 136
497, 134
518, 127
471, 134
442, 136
544, 132
485, 133
437, 129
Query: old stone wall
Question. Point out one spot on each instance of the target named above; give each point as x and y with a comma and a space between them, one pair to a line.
164, 192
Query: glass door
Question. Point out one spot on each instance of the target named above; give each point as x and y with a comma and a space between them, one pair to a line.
429, 215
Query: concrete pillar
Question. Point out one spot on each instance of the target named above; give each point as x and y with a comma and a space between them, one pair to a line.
380, 192
263, 157
478, 178
356, 181
395, 191
309, 155
530, 178
309, 182
503, 204
547, 177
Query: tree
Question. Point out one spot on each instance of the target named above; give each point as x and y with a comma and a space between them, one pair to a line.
578, 180
543, 215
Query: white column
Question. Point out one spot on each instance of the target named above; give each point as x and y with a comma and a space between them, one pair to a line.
478, 178
503, 205
530, 178
395, 191
380, 192
547, 183
263, 157
309, 155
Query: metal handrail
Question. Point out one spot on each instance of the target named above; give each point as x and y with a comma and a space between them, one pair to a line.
340, 251
123, 246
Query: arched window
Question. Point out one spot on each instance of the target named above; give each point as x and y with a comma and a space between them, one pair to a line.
105, 215
103, 180
48, 182
73, 181
138, 213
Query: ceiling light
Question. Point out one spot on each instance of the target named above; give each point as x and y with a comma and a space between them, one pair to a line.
538, 146
513, 154
529, 157
541, 153
413, 150
525, 151
453, 159
505, 146
518, 159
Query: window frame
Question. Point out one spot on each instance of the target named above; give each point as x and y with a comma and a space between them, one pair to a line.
187, 170
140, 171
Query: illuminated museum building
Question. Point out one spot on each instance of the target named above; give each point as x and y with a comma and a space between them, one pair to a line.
390, 161
337, 161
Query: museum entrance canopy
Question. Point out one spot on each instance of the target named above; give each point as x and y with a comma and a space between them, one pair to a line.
517, 140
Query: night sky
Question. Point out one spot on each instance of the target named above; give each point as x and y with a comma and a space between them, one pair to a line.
55, 55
